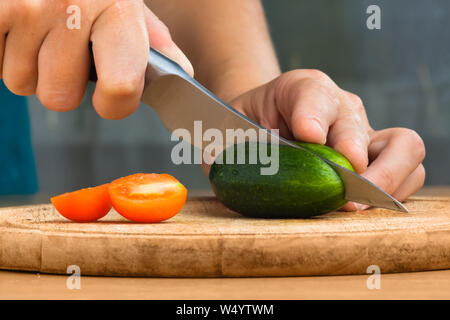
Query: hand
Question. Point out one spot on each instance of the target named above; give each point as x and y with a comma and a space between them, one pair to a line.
40, 54
307, 105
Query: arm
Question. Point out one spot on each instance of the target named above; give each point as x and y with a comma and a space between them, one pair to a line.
227, 41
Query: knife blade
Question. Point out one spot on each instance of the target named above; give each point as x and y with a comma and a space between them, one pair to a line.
180, 100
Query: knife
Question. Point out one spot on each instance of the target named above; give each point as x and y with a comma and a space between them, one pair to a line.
180, 100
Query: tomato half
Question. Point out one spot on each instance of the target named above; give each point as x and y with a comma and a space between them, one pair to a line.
84, 205
147, 197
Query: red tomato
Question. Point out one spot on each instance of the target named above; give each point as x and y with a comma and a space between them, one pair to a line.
147, 197
84, 205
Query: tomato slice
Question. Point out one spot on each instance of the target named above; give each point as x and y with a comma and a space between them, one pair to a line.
84, 205
147, 198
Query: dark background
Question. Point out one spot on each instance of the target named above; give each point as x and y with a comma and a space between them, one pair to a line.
402, 73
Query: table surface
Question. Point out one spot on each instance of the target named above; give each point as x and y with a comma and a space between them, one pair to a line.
418, 285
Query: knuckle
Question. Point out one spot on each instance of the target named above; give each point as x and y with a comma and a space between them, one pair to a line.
318, 75
31, 8
281, 84
308, 74
296, 84
320, 88
355, 101
414, 141
311, 84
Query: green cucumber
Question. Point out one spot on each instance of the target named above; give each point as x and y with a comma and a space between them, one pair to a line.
304, 185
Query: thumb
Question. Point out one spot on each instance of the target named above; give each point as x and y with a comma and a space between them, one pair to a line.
160, 39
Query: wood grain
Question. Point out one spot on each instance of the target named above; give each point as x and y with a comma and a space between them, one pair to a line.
208, 240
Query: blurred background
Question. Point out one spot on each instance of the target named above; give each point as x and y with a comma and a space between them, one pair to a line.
402, 73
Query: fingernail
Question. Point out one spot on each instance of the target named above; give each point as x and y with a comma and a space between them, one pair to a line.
361, 207
317, 124
322, 131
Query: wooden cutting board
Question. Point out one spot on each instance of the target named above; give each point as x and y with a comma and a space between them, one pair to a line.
208, 240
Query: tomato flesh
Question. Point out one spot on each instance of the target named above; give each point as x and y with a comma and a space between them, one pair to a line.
147, 198
85, 205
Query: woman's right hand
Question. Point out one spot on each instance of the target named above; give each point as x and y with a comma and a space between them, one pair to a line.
41, 52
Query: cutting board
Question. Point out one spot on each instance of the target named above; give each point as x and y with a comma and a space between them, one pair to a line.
208, 240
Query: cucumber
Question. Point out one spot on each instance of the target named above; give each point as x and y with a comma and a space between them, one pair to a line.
304, 186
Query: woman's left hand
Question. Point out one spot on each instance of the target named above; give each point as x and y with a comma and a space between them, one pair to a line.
306, 105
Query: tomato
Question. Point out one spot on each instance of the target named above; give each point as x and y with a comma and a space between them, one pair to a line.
84, 205
147, 197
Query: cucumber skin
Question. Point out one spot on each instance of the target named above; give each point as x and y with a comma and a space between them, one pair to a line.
304, 186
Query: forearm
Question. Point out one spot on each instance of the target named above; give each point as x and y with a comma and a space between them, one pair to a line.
227, 41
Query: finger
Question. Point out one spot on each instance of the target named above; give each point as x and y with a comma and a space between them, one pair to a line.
271, 119
257, 105
349, 134
396, 156
281, 125
120, 47
20, 60
64, 63
309, 106
411, 185
349, 206
161, 40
